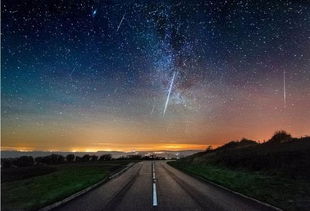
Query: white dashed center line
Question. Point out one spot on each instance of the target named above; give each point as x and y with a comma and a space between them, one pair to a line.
155, 203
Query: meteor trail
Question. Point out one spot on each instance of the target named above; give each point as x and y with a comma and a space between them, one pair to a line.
284, 90
72, 72
120, 23
168, 96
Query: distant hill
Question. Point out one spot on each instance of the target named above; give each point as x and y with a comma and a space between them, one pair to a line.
281, 154
237, 144
115, 154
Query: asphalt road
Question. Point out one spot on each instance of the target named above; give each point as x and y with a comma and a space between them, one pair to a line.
156, 183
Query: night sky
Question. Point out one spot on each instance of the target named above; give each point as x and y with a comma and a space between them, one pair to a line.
149, 75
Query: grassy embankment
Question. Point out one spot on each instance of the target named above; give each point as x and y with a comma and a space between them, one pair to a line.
45, 185
274, 172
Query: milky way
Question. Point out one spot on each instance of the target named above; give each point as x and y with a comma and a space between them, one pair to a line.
97, 74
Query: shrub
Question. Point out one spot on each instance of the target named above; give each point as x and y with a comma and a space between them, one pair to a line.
24, 161
280, 137
209, 149
86, 157
6, 162
70, 157
93, 157
51, 159
135, 157
105, 157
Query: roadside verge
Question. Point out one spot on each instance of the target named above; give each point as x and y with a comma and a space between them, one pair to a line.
225, 188
77, 194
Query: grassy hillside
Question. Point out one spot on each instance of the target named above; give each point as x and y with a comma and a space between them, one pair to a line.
289, 156
276, 171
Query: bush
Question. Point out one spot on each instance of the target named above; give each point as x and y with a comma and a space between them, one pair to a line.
280, 137
209, 149
134, 157
94, 158
6, 162
51, 159
24, 161
105, 157
86, 157
70, 157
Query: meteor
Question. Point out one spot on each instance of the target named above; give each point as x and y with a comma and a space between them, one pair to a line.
120, 23
94, 13
72, 72
153, 109
169, 92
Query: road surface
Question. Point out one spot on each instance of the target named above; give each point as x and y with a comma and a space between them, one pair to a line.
157, 186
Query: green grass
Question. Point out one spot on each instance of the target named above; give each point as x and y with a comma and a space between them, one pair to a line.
286, 193
38, 191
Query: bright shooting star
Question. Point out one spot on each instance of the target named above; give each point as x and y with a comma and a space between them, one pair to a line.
120, 23
169, 92
284, 89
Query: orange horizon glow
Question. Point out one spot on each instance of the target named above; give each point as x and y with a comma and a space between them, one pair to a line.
159, 147
129, 146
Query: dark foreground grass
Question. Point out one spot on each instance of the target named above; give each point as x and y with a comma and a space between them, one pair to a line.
38, 191
13, 174
286, 193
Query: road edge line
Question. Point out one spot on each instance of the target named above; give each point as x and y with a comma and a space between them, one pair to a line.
81, 192
229, 190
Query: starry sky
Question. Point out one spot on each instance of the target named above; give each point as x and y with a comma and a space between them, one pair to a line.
83, 75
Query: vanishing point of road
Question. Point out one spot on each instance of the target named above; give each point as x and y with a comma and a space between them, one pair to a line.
155, 185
